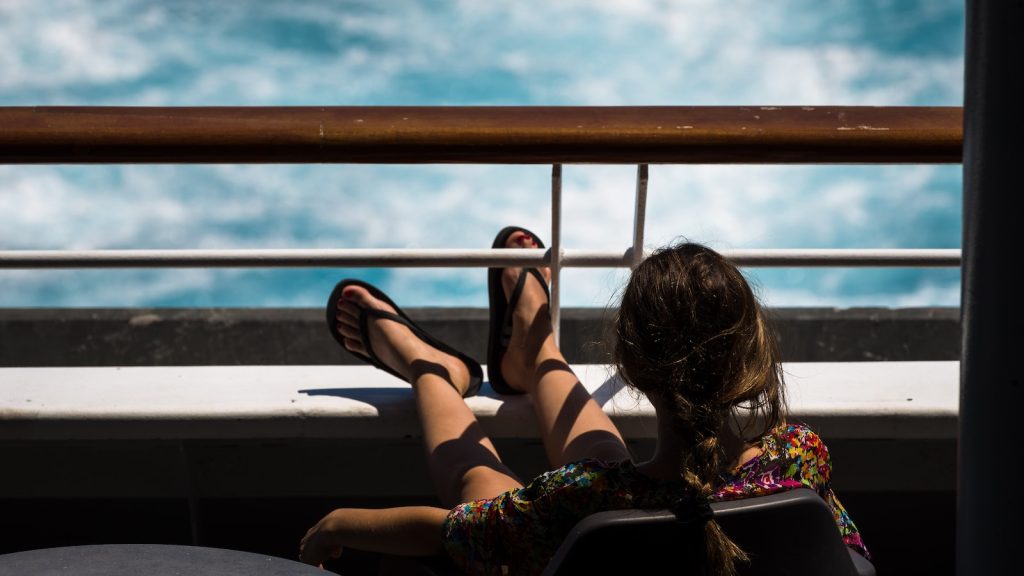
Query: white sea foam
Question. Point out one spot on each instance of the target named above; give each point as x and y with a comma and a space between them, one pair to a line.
794, 52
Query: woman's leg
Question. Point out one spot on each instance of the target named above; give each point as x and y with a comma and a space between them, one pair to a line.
572, 424
462, 461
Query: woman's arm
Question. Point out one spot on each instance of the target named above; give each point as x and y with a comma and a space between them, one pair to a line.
408, 531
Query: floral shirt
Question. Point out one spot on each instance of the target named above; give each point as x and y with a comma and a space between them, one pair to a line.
522, 528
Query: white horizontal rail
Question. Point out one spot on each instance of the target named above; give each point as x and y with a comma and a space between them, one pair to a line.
276, 258
801, 257
849, 257
453, 258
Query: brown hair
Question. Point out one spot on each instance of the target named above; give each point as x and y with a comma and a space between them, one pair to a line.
692, 335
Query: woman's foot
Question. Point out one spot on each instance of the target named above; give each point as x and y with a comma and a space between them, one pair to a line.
393, 343
531, 320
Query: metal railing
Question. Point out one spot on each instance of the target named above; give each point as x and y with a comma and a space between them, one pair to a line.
534, 135
483, 135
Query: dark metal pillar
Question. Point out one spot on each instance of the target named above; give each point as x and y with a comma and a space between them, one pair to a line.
989, 504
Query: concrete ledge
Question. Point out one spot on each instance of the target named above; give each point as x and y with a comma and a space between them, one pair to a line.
862, 400
298, 336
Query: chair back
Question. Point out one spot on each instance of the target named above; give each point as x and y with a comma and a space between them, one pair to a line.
790, 533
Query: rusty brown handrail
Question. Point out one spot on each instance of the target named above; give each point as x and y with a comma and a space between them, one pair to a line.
503, 135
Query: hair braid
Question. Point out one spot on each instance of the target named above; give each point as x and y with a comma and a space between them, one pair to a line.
702, 463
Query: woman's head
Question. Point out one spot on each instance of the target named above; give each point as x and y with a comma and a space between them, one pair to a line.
691, 334
693, 338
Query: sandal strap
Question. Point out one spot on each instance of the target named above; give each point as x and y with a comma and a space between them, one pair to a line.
506, 325
365, 315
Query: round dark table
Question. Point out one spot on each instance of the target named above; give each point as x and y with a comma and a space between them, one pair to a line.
155, 559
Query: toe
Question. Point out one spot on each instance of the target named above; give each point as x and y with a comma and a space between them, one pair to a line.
355, 346
348, 331
347, 312
520, 239
356, 296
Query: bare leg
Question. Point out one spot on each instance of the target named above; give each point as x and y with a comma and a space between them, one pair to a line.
463, 462
572, 424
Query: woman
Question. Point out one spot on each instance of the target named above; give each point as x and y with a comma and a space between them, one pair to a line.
690, 335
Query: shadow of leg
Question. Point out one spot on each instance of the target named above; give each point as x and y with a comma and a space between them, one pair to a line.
573, 424
471, 468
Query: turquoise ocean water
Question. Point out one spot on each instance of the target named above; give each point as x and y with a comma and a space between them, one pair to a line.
574, 52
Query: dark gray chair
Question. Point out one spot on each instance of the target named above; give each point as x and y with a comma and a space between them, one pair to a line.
790, 533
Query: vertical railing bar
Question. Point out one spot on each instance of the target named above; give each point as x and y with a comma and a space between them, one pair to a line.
556, 249
639, 214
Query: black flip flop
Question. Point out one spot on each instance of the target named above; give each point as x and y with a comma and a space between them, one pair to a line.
501, 311
476, 373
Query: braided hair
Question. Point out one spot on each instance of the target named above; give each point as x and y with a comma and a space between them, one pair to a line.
691, 335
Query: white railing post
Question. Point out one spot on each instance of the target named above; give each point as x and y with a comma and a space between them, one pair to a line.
639, 215
556, 249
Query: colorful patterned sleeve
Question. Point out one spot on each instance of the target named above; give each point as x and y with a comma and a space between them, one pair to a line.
519, 528
810, 462
793, 456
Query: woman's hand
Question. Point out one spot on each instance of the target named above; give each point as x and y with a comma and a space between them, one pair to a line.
323, 540
405, 531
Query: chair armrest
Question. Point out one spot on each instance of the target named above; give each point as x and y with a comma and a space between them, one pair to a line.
863, 566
